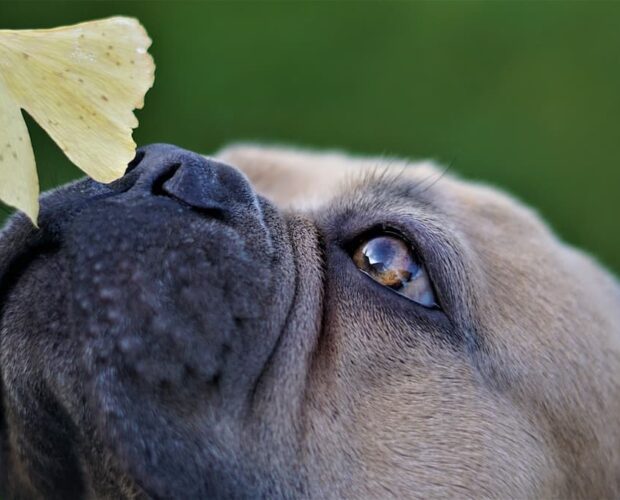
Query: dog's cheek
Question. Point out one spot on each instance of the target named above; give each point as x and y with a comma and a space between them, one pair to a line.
39, 450
4, 446
161, 380
168, 451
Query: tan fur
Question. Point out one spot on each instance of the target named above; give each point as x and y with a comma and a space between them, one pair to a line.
535, 414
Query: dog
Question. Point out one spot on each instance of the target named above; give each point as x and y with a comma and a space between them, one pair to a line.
278, 323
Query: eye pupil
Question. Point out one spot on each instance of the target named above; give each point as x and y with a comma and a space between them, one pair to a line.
391, 262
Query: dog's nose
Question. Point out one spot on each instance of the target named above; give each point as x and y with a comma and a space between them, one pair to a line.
197, 181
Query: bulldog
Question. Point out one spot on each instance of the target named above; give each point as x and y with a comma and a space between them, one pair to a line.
274, 323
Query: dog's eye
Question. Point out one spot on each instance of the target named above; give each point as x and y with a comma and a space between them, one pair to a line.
391, 262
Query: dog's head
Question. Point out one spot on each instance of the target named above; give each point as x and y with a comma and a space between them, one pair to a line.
318, 326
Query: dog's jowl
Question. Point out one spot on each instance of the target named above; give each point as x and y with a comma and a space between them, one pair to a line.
273, 323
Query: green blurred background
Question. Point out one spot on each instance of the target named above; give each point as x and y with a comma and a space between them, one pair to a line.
524, 95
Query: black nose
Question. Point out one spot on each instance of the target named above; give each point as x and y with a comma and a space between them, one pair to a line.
192, 179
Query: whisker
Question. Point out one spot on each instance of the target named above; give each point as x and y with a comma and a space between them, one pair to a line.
436, 179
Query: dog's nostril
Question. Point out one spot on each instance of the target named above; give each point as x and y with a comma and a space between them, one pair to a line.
165, 175
128, 180
136, 161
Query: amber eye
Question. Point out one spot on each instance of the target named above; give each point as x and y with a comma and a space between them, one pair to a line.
391, 262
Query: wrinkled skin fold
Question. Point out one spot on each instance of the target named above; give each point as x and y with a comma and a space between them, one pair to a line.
198, 329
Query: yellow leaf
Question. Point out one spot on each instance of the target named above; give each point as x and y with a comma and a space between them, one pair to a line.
19, 185
81, 83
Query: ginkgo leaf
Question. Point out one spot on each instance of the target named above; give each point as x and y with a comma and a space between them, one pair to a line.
81, 84
19, 185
